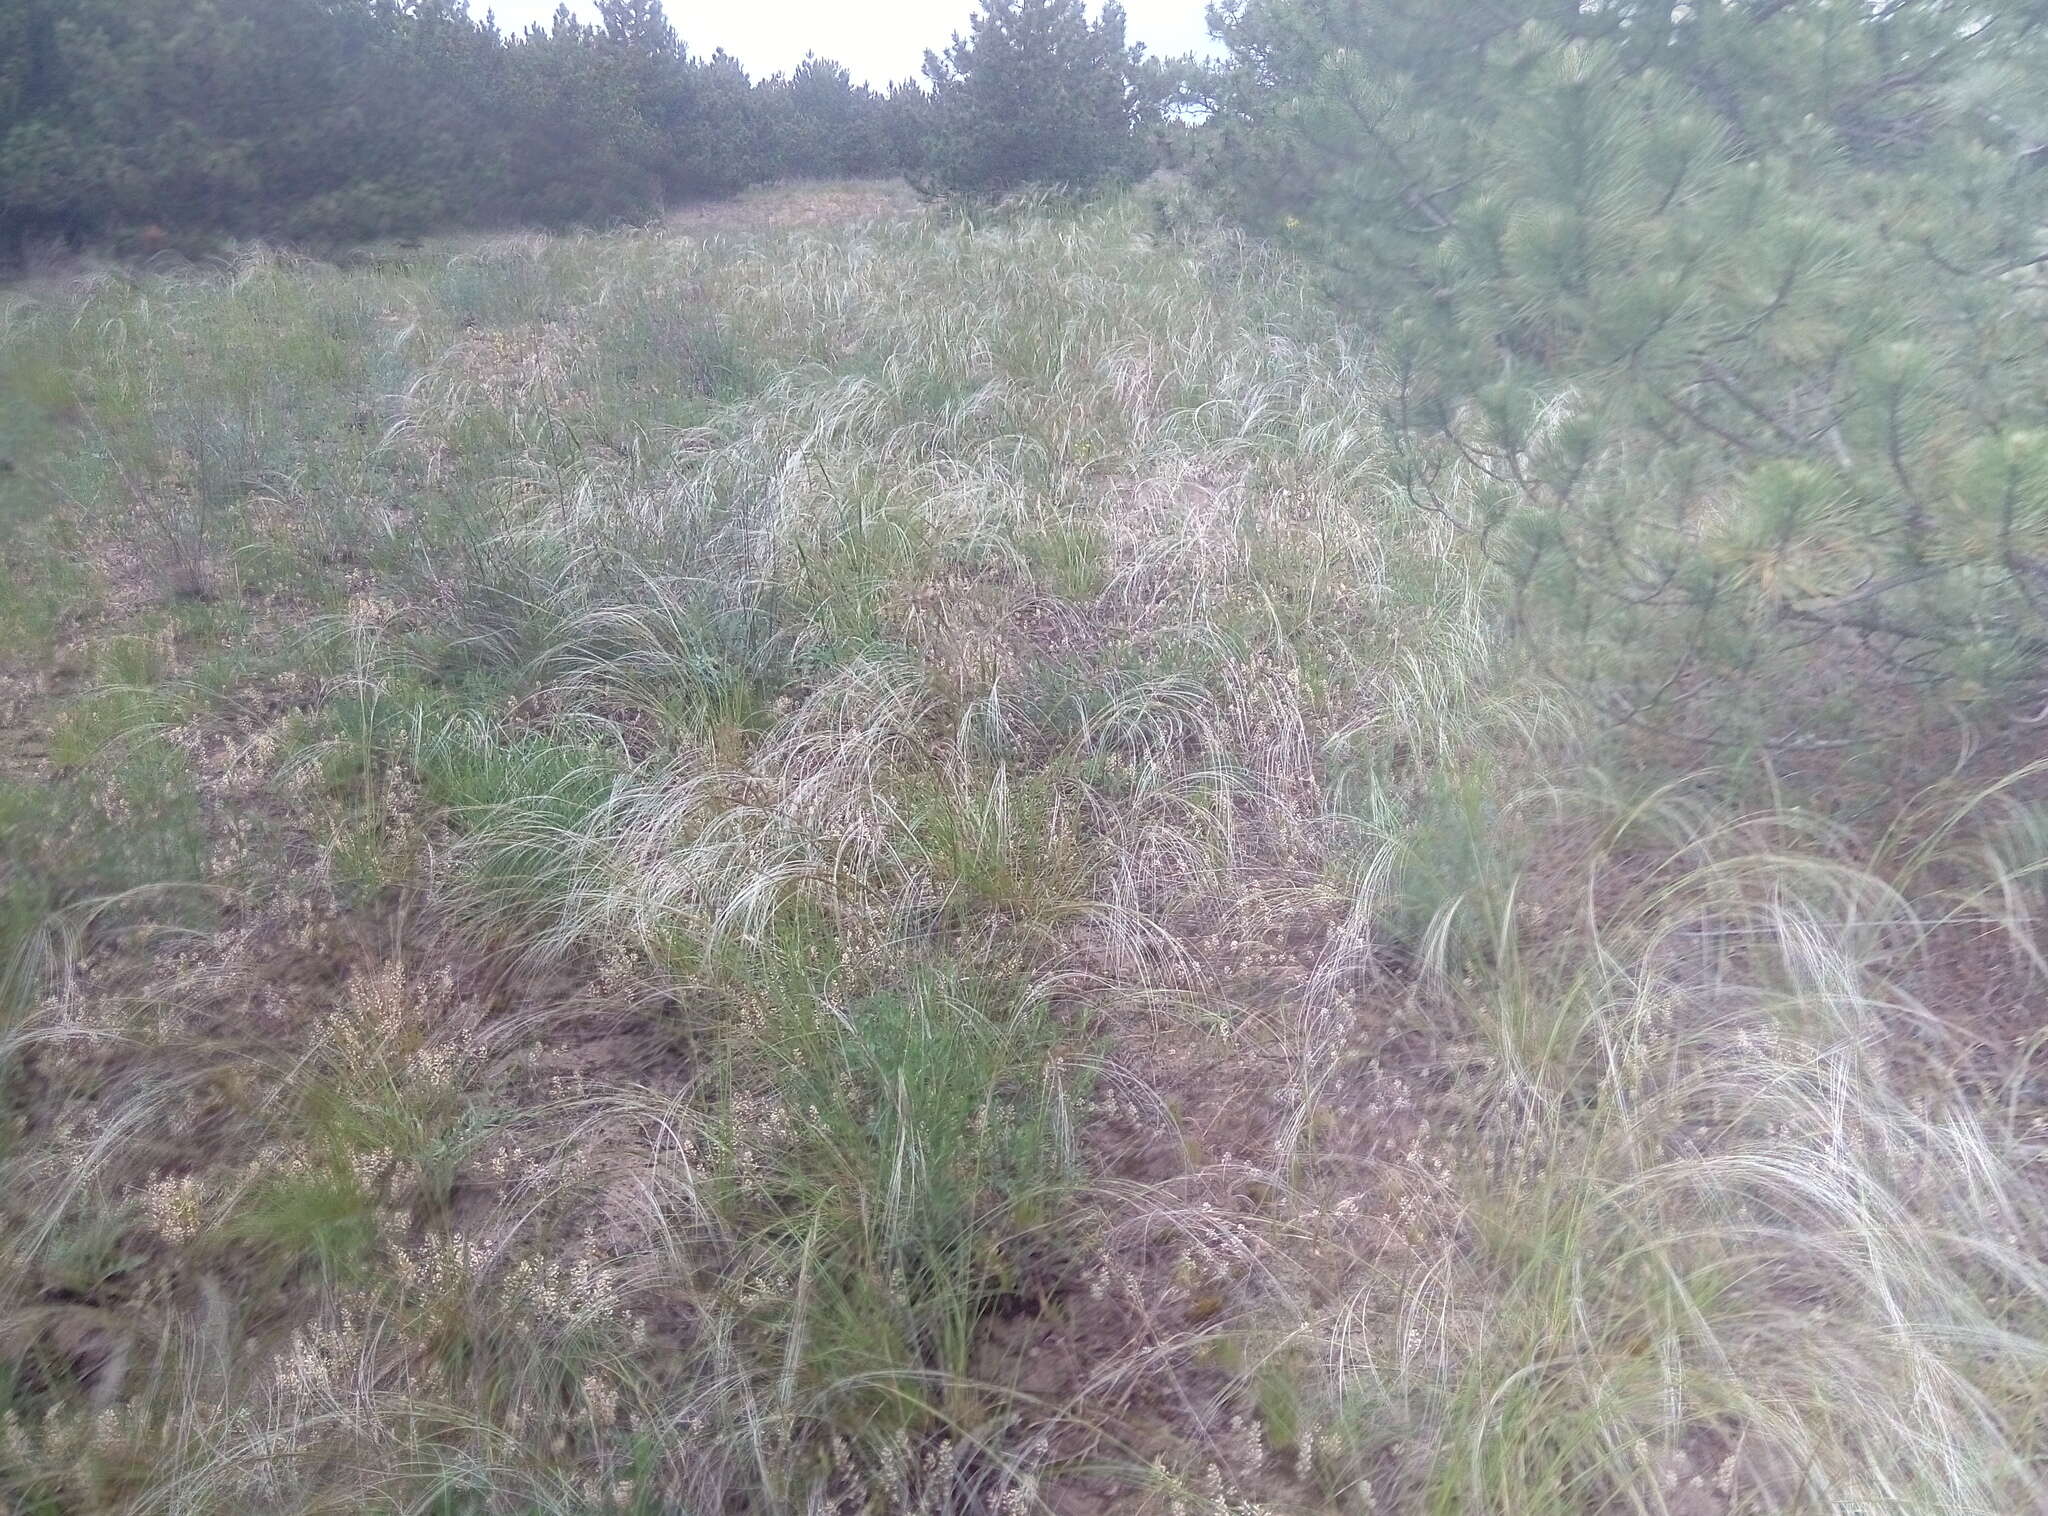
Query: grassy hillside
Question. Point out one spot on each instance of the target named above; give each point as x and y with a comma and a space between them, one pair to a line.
865, 867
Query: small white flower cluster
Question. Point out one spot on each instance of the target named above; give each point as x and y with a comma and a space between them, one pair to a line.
1200, 1265
602, 1399
1020, 1498
759, 1127
444, 1067
436, 1265
68, 1145
67, 1435
369, 613
322, 1363
176, 1207
761, 1289
510, 1163
294, 1160
1676, 1469
905, 1474
1336, 1215
260, 751
582, 1292
368, 1169
231, 848
380, 1010
1115, 1105
1424, 1196
394, 1028
618, 969
1113, 1279
615, 1496
308, 921
1212, 1494
899, 1477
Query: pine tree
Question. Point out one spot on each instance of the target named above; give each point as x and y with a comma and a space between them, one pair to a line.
1707, 320
1035, 94
579, 149
818, 124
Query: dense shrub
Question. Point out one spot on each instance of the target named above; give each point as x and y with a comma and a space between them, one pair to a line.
1716, 325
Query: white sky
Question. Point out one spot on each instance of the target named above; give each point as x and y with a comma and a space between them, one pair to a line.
877, 40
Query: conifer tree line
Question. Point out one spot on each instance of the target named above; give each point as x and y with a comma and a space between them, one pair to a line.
329, 120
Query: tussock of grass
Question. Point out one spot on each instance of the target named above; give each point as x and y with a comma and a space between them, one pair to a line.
867, 870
